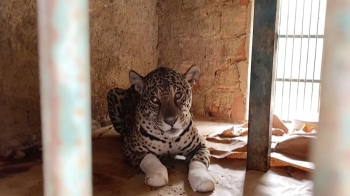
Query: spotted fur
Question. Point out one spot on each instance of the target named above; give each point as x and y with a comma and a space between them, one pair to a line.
153, 116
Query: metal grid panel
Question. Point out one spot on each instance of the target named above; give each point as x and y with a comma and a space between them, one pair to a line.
299, 56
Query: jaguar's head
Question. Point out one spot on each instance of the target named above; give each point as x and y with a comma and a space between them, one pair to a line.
166, 99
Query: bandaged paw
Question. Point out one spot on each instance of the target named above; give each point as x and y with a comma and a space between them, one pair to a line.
156, 172
199, 178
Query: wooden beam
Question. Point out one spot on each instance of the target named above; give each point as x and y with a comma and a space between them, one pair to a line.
261, 85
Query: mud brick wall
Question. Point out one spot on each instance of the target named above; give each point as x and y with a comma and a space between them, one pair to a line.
19, 75
213, 34
123, 36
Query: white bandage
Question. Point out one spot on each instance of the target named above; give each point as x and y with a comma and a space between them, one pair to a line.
156, 172
199, 178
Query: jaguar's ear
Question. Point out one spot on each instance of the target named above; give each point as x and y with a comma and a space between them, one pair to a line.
192, 74
136, 80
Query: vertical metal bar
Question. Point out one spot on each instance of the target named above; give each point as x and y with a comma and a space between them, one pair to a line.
291, 64
285, 57
331, 151
65, 96
307, 56
261, 85
301, 48
320, 84
278, 21
313, 74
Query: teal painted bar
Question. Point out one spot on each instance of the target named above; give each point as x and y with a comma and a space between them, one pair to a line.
331, 152
65, 96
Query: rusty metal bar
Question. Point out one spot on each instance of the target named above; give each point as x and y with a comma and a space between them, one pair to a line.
65, 96
261, 85
331, 152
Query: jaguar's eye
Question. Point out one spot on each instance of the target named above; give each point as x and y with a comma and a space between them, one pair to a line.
154, 100
178, 95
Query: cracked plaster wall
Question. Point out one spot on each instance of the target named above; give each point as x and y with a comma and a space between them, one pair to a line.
215, 36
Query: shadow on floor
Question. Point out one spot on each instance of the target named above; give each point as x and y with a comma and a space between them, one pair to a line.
112, 176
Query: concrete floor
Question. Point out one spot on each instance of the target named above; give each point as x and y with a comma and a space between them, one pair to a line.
113, 176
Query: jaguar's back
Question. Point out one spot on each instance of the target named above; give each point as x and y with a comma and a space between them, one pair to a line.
122, 107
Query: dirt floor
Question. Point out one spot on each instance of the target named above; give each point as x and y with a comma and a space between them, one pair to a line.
113, 176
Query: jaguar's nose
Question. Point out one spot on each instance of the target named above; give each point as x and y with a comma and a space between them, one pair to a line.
170, 120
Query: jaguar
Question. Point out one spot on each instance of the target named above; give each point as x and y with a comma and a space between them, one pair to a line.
154, 119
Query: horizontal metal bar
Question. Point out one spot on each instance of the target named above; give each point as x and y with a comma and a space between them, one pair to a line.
65, 96
299, 36
297, 80
286, 121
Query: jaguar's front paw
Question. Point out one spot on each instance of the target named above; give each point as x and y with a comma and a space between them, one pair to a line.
158, 178
199, 178
156, 172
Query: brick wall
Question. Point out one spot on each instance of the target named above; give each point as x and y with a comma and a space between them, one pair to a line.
213, 34
123, 37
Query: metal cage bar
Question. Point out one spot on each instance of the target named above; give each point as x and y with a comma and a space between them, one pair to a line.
300, 52
65, 96
307, 56
261, 85
314, 67
291, 63
331, 153
285, 54
298, 58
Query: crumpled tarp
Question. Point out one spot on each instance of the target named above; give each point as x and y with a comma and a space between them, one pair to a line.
289, 147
